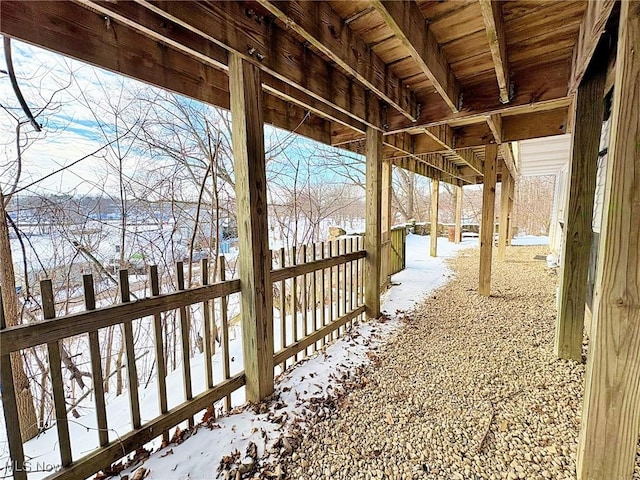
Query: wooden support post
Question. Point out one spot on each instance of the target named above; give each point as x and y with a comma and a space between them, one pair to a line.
577, 231
458, 231
373, 148
611, 411
253, 233
435, 197
505, 190
387, 169
512, 197
487, 223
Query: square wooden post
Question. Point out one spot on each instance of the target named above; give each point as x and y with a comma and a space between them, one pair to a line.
373, 222
386, 221
487, 222
505, 190
435, 197
577, 232
458, 227
611, 410
253, 233
512, 198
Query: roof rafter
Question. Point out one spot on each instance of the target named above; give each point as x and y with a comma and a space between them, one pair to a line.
410, 27
494, 25
318, 24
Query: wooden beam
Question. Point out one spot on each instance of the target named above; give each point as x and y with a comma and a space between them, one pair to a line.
577, 231
495, 125
253, 232
505, 190
179, 38
240, 29
72, 30
494, 25
410, 27
318, 24
507, 155
515, 127
440, 163
487, 222
435, 196
387, 186
444, 136
373, 149
611, 413
512, 197
540, 87
593, 24
458, 227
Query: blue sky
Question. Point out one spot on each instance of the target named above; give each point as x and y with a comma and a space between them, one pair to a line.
70, 130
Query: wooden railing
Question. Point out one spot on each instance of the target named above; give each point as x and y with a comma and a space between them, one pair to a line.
318, 292
398, 253
52, 331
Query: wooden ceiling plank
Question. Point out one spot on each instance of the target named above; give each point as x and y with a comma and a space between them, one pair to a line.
591, 29
74, 31
494, 25
238, 28
408, 24
323, 28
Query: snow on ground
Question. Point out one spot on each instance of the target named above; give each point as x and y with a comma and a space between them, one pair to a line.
423, 273
301, 391
530, 240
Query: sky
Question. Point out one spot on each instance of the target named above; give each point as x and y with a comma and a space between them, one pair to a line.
70, 130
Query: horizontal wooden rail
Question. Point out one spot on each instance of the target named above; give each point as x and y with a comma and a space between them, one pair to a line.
302, 269
29, 335
303, 343
129, 442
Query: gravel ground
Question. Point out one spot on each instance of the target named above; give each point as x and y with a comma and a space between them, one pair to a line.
469, 389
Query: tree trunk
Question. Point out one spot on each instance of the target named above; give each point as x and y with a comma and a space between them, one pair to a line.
24, 397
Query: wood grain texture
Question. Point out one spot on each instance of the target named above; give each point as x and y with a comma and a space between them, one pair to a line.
323, 28
611, 411
487, 222
409, 26
253, 233
10, 408
129, 442
96, 365
387, 186
494, 26
257, 40
435, 197
505, 189
458, 219
373, 222
37, 333
75, 31
577, 232
57, 381
591, 29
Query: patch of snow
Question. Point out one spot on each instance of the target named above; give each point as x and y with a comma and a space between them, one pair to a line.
527, 240
423, 273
